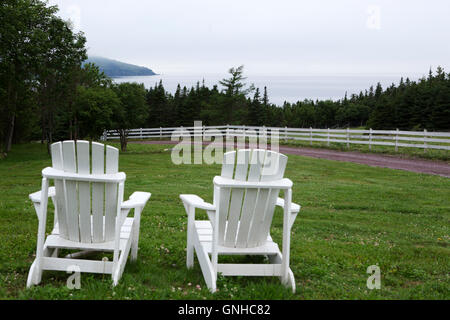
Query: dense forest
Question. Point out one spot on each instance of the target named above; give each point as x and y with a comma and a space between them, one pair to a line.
49, 93
408, 105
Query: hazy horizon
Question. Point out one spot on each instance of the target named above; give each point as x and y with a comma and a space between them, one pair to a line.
280, 87
267, 37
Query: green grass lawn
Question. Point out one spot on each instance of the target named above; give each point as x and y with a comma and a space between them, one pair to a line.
353, 216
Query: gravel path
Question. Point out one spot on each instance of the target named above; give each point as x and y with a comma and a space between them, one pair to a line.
375, 160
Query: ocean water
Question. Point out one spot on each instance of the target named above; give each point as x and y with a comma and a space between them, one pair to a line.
289, 88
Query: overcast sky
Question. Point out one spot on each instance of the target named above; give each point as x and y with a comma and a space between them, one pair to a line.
268, 37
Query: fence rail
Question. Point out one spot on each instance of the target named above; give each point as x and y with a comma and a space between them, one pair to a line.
396, 138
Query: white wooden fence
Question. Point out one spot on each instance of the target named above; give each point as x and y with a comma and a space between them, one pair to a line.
396, 138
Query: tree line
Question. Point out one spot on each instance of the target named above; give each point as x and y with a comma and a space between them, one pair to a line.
408, 105
47, 93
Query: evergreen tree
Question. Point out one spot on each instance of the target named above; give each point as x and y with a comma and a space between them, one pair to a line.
255, 110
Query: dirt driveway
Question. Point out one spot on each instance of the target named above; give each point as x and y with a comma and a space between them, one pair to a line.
375, 160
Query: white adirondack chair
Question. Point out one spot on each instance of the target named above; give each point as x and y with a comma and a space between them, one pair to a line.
90, 214
239, 220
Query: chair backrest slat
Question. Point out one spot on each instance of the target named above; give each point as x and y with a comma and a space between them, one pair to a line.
70, 165
84, 192
98, 192
60, 199
228, 165
112, 160
258, 217
83, 215
250, 199
245, 214
224, 202
277, 164
57, 157
83, 157
112, 166
234, 212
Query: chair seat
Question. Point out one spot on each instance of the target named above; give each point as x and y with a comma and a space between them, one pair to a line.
55, 241
204, 232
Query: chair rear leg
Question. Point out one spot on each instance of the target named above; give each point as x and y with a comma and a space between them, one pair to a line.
136, 226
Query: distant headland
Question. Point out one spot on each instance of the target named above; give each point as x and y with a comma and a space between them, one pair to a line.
113, 68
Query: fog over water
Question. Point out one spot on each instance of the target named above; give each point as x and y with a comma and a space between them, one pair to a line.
281, 88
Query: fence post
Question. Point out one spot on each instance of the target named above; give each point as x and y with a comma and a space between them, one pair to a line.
243, 133
425, 146
370, 139
160, 133
141, 133
285, 134
348, 138
310, 136
396, 141
328, 137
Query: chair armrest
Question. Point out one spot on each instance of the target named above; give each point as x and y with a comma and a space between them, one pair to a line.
51, 173
231, 183
193, 201
36, 196
137, 199
295, 208
196, 202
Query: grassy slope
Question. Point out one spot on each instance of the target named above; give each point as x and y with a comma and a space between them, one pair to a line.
353, 216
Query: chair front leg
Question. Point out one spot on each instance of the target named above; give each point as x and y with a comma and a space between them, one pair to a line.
215, 243
116, 266
136, 226
41, 232
286, 235
190, 237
